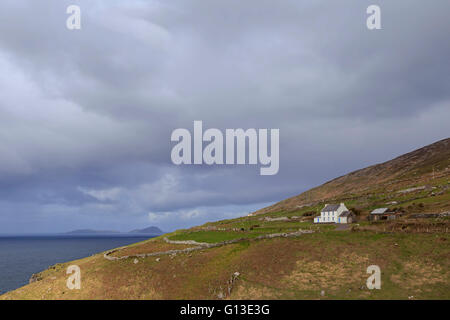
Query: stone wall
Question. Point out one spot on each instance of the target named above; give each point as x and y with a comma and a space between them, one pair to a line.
201, 245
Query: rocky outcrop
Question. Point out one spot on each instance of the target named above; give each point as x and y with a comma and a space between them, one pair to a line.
231, 282
188, 242
35, 277
412, 189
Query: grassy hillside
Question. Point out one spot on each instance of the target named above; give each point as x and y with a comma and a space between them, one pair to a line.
258, 260
377, 185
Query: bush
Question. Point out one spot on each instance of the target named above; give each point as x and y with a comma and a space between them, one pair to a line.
356, 212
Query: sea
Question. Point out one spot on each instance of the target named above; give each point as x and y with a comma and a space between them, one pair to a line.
21, 256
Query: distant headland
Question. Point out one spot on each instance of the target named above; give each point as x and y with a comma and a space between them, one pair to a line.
150, 230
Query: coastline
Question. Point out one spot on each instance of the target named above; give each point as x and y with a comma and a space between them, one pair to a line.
28, 255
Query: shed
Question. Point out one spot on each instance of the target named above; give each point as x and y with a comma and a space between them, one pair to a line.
381, 214
379, 211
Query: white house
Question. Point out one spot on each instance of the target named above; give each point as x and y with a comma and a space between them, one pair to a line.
335, 213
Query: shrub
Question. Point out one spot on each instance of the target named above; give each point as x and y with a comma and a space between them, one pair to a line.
357, 212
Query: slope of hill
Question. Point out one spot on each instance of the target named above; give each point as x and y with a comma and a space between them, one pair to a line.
428, 167
278, 253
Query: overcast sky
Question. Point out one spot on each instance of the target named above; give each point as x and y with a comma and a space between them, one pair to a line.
86, 115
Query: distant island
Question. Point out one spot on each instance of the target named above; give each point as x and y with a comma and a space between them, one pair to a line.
90, 231
150, 230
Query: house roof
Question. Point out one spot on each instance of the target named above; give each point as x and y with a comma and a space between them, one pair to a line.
379, 211
345, 214
330, 207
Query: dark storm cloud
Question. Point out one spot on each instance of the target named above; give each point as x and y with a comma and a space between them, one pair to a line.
86, 116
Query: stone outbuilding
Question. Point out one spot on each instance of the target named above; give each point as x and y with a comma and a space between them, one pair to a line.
382, 214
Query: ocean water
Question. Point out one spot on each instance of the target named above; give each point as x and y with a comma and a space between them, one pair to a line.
21, 256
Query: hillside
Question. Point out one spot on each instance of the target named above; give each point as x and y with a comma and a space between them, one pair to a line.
278, 253
427, 167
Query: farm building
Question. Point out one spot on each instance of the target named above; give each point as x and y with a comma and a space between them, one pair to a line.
335, 213
382, 214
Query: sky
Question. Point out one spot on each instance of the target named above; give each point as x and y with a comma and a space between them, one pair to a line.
86, 115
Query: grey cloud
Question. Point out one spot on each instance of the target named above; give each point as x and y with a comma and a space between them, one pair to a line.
86, 116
